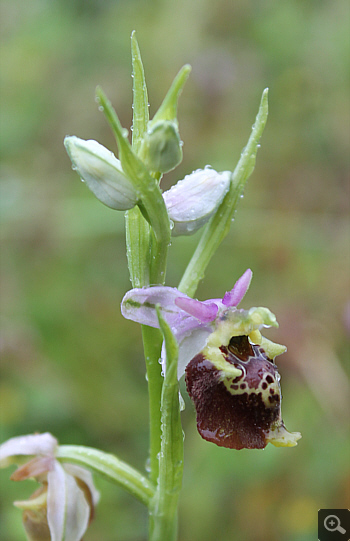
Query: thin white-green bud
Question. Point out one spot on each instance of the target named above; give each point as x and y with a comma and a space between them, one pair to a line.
161, 147
102, 173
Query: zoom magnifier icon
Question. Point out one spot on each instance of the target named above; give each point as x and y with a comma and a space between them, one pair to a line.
332, 524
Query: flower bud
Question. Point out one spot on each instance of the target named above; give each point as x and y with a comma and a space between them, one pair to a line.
102, 172
161, 147
193, 200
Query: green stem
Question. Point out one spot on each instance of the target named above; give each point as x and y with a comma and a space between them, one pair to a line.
138, 247
110, 467
219, 225
152, 343
147, 257
163, 511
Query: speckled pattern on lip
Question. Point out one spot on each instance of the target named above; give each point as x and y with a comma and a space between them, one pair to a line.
240, 411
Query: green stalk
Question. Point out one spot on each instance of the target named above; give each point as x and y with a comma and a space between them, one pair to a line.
110, 467
219, 225
144, 268
163, 511
137, 228
152, 343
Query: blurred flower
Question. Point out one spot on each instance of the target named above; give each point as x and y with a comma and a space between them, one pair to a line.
193, 200
230, 373
62, 508
102, 172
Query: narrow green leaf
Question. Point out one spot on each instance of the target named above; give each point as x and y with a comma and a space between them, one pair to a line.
140, 96
168, 108
219, 225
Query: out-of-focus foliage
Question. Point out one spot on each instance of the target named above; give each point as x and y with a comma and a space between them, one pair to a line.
70, 363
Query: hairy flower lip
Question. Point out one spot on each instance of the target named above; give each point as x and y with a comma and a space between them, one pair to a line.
237, 396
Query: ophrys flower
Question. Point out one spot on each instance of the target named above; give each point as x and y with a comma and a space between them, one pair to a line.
230, 371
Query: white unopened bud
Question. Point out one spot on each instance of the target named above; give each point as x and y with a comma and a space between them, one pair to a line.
102, 172
193, 200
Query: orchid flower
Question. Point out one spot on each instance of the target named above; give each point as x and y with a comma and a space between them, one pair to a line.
230, 372
62, 508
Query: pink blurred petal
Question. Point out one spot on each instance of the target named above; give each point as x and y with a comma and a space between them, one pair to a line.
204, 312
139, 305
85, 476
33, 444
56, 502
34, 468
67, 509
234, 297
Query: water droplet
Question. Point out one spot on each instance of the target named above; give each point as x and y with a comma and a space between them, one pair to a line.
146, 377
101, 108
148, 465
181, 402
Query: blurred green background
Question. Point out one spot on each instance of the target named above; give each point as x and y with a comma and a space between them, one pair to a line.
71, 364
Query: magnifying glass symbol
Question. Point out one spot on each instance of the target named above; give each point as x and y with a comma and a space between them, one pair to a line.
332, 524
